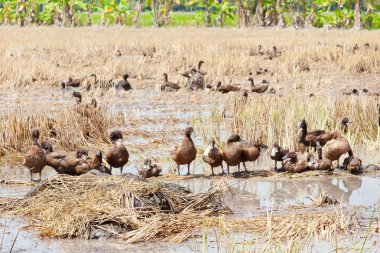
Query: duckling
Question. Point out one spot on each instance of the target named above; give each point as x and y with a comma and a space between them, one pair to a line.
353, 164
320, 164
295, 163
35, 159
213, 156
149, 169
251, 151
118, 155
335, 148
169, 86
53, 159
226, 88
258, 88
344, 124
277, 154
233, 153
311, 138
124, 84
184, 152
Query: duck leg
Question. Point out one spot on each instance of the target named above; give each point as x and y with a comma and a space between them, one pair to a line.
39, 179
178, 169
239, 167
228, 169
188, 169
212, 171
222, 169
31, 176
275, 165
111, 169
121, 171
245, 168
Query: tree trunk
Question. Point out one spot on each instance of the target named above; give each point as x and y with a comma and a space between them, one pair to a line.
138, 12
71, 14
89, 11
64, 10
249, 12
303, 12
310, 19
156, 18
220, 19
18, 19
259, 13
208, 15
240, 12
358, 16
275, 13
169, 9
281, 20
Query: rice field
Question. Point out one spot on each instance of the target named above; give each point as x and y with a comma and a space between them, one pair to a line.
310, 75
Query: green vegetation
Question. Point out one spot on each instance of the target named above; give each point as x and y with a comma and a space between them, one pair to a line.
230, 13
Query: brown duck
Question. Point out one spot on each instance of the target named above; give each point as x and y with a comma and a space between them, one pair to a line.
184, 152
353, 164
149, 169
311, 138
335, 148
53, 159
295, 163
226, 88
118, 155
258, 88
233, 153
251, 151
213, 156
320, 164
83, 166
277, 154
84, 110
124, 84
35, 159
169, 86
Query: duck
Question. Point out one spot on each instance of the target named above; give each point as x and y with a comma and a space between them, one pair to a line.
295, 163
35, 159
233, 153
277, 154
81, 166
84, 110
335, 148
149, 169
53, 159
251, 151
353, 92
311, 138
118, 155
213, 156
169, 86
258, 88
184, 152
353, 164
344, 124
226, 88
320, 164
73, 83
124, 84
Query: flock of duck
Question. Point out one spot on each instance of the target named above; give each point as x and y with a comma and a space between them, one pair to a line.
330, 146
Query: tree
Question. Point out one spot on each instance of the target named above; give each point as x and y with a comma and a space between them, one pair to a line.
358, 16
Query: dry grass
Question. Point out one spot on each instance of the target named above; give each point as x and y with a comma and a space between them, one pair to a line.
68, 207
80, 52
272, 118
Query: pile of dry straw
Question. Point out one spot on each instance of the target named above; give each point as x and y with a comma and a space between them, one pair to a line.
124, 207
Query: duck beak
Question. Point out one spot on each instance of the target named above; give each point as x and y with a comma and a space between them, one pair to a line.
286, 157
263, 146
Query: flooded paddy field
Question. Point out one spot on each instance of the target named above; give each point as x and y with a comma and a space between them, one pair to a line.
153, 121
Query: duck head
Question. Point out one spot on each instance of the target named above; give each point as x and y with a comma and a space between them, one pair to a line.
234, 138
116, 135
78, 96
125, 77
47, 146
63, 85
200, 64
35, 134
99, 155
81, 153
344, 124
292, 156
259, 145
251, 81
275, 149
189, 131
